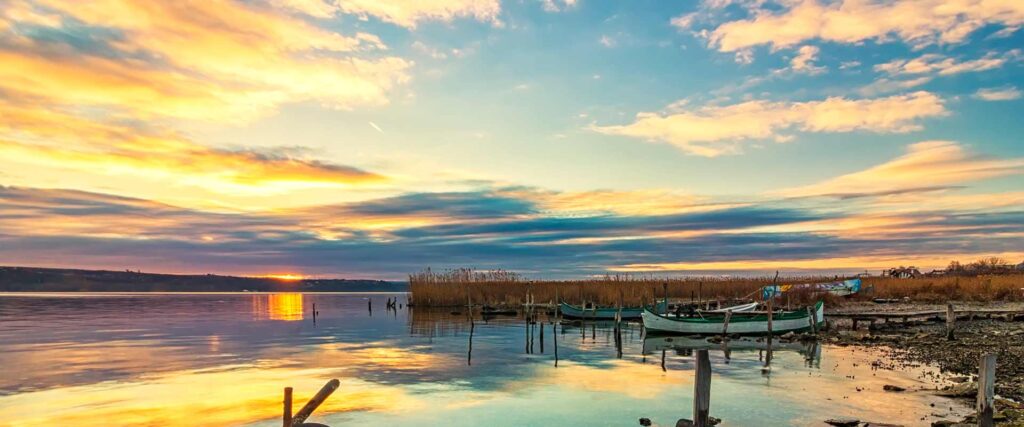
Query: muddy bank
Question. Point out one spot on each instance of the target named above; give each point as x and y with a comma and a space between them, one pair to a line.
925, 342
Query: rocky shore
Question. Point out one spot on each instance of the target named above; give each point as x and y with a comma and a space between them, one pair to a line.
925, 342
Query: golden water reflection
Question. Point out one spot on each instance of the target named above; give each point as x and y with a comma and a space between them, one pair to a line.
287, 307
222, 396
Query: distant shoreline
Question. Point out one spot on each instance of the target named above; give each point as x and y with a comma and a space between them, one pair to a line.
55, 280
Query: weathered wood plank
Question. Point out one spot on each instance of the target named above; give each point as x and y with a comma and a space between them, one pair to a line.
319, 398
702, 389
986, 390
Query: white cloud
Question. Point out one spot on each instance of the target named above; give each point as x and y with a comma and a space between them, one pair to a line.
606, 41
428, 50
745, 56
845, 65
944, 65
917, 22
558, 5
684, 22
1008, 93
713, 130
803, 62
409, 13
887, 85
926, 166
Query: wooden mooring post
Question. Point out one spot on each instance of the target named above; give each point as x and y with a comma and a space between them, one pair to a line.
554, 335
986, 390
771, 316
287, 407
307, 410
950, 321
725, 325
702, 389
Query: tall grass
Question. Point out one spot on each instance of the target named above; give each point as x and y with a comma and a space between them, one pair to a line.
463, 286
1002, 287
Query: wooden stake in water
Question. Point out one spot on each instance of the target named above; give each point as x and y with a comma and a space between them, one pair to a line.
469, 354
287, 407
771, 316
725, 325
950, 321
554, 334
702, 389
541, 337
319, 398
986, 389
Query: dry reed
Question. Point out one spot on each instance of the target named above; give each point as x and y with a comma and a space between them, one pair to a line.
466, 286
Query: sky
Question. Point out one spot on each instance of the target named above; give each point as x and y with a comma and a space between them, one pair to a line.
557, 138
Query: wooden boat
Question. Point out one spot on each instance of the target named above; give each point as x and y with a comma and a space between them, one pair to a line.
497, 311
840, 289
601, 313
735, 309
739, 323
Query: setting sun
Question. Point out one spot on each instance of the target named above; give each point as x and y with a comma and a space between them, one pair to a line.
285, 277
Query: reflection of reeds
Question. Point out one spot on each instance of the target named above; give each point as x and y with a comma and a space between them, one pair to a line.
459, 287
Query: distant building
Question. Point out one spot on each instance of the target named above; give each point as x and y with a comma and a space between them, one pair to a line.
903, 272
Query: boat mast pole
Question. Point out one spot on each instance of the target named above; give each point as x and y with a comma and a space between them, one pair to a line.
664, 287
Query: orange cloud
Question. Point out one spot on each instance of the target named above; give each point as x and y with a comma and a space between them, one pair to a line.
50, 138
926, 165
216, 60
836, 263
714, 130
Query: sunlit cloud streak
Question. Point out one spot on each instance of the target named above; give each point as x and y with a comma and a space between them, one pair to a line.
714, 130
48, 137
918, 23
929, 165
1009, 93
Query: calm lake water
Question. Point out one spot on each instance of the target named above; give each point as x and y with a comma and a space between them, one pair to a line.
223, 360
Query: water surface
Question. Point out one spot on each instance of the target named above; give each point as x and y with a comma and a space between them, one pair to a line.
223, 359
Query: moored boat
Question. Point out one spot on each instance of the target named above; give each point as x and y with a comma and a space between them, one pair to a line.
840, 288
739, 323
601, 313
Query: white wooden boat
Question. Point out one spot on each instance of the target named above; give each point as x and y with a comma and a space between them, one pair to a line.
739, 323
735, 309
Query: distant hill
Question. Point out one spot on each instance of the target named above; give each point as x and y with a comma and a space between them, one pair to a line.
30, 279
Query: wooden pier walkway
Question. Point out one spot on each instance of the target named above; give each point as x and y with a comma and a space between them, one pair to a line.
904, 316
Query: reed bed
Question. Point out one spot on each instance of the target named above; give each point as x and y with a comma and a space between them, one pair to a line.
463, 286
1002, 287
504, 288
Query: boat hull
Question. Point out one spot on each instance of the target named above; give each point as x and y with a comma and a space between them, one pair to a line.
743, 325
600, 313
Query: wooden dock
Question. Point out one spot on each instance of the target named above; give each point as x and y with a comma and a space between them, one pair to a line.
905, 316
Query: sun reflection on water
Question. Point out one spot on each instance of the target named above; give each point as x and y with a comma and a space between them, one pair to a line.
287, 307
